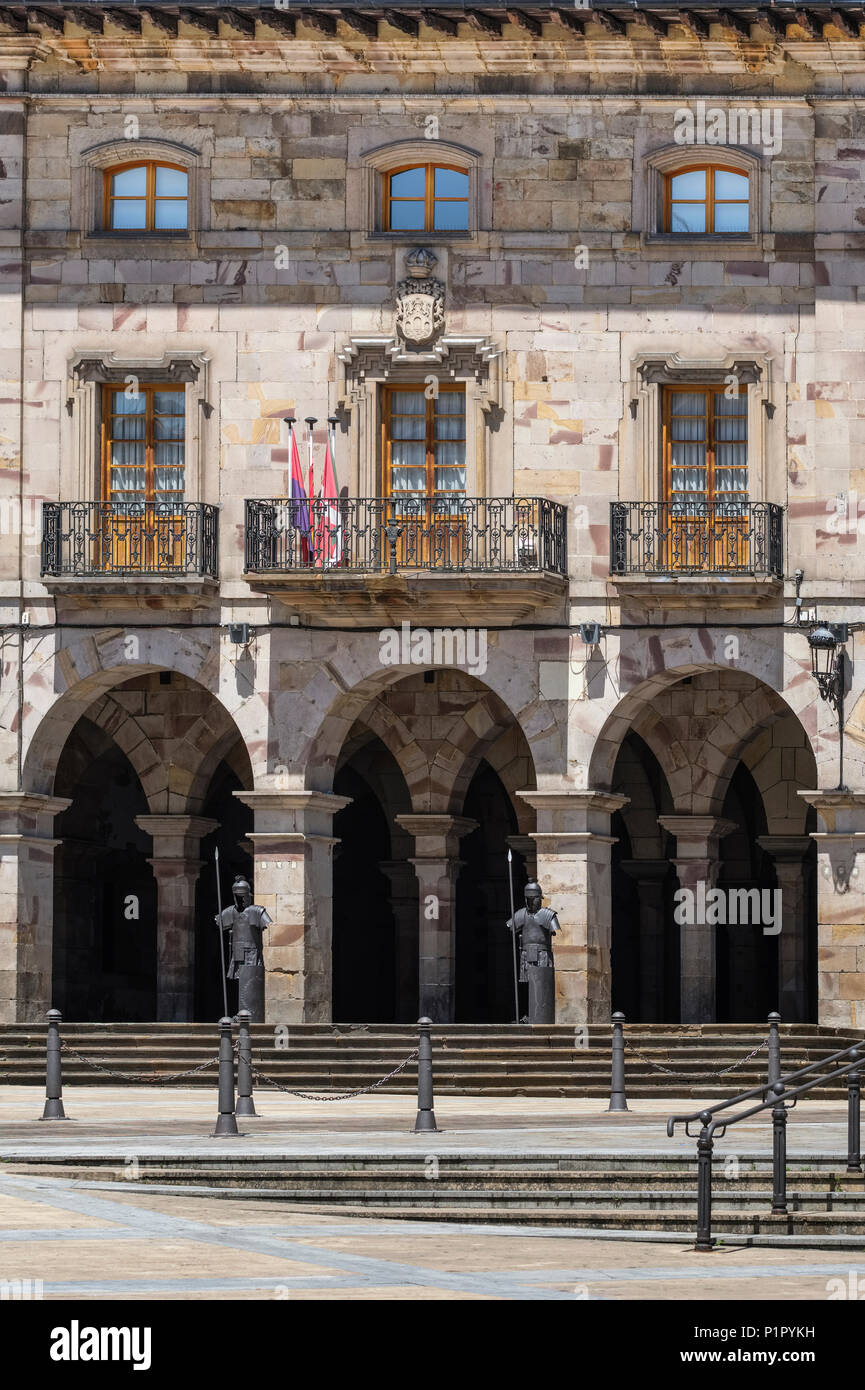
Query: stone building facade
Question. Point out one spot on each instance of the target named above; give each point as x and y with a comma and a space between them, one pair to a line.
400, 708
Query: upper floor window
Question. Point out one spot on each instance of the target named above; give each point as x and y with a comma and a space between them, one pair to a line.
425, 198
707, 198
705, 450
146, 197
143, 445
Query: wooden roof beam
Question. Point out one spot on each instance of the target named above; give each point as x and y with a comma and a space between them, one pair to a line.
484, 22
201, 19
162, 20
846, 23
315, 19
85, 18
647, 20
735, 23
694, 23
361, 23
531, 23
442, 23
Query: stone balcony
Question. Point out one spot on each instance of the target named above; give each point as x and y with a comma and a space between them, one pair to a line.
130, 551
689, 554
436, 561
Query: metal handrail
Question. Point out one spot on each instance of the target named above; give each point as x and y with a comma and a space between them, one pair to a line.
761, 1090
779, 1099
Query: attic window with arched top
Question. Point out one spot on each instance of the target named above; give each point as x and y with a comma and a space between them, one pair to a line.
146, 196
707, 199
425, 198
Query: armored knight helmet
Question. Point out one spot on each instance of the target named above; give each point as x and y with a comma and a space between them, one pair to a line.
533, 890
241, 892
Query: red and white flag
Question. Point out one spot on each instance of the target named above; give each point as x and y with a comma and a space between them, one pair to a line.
328, 540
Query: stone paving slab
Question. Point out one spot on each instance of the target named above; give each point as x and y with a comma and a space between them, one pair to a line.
140, 1245
116, 1122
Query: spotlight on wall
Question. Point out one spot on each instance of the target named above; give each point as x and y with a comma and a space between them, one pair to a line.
240, 633
590, 633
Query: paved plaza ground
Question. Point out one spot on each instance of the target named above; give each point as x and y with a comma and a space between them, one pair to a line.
116, 1240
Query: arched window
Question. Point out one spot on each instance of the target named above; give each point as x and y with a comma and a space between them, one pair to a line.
425, 198
705, 199
146, 197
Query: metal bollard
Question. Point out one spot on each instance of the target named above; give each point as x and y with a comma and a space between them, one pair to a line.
226, 1122
773, 1070
779, 1152
53, 1078
854, 1136
618, 1099
705, 1146
245, 1103
426, 1117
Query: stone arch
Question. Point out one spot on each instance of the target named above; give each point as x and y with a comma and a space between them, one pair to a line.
710, 747
91, 668
508, 697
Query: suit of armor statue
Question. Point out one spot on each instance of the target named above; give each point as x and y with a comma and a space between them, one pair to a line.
537, 926
246, 922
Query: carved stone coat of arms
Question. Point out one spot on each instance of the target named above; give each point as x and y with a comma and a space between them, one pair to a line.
420, 301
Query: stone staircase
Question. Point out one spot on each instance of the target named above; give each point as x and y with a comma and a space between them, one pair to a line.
632, 1193
469, 1059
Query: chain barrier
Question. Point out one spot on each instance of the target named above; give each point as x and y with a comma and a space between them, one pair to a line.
345, 1095
685, 1076
141, 1075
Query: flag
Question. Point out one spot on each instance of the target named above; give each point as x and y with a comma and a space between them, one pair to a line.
328, 543
300, 509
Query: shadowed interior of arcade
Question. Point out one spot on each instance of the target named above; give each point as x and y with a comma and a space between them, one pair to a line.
714, 806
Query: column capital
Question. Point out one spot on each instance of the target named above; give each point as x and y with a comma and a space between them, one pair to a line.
840, 812
436, 836
785, 849
576, 811
300, 811
29, 815
696, 834
176, 837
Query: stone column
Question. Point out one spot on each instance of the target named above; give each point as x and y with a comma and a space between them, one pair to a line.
574, 844
840, 906
697, 861
26, 903
176, 866
437, 867
787, 853
649, 875
404, 905
293, 879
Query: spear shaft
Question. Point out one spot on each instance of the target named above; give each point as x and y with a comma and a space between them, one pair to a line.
514, 936
221, 943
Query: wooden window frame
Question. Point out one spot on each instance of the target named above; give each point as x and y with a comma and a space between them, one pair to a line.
708, 202
150, 199
388, 393
429, 199
709, 391
151, 497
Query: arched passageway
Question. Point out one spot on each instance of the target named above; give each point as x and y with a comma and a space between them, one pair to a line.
104, 958
150, 772
713, 873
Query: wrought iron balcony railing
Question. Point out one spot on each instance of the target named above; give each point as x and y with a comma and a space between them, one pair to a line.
381, 534
675, 538
134, 539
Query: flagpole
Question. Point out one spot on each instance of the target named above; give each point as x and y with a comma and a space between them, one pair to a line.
311, 420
